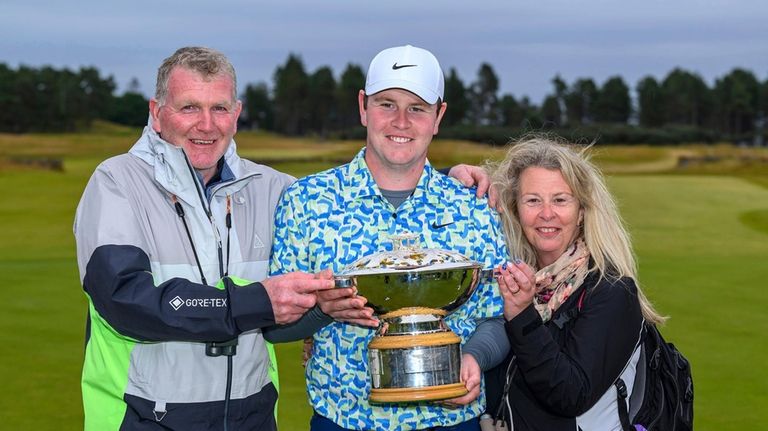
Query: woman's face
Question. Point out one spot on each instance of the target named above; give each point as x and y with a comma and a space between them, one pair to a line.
549, 213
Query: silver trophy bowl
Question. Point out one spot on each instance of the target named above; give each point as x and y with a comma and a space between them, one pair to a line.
446, 288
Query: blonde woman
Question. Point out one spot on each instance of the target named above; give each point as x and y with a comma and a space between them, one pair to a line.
571, 255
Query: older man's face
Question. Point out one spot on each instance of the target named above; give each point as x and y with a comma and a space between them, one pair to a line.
199, 115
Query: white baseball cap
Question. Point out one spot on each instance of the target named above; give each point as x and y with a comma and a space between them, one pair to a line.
407, 67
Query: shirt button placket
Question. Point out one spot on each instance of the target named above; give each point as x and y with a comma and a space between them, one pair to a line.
392, 222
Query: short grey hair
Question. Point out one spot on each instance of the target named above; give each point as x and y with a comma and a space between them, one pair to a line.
205, 61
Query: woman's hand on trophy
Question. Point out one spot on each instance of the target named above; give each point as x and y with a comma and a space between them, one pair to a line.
470, 375
517, 286
344, 305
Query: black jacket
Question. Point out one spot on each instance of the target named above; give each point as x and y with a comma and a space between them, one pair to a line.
562, 372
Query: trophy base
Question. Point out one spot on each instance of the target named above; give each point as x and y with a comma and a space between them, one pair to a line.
430, 393
415, 357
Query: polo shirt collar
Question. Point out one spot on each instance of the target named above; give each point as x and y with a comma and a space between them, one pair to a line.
360, 182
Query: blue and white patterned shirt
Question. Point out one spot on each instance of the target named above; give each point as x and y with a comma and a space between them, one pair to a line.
331, 219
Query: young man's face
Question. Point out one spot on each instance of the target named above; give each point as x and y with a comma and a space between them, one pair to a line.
199, 115
400, 127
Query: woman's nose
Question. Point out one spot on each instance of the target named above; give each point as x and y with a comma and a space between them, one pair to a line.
546, 211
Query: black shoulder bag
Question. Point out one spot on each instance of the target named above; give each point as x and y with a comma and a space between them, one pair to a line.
662, 394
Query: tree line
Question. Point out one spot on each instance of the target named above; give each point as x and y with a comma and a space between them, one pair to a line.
680, 107
62, 100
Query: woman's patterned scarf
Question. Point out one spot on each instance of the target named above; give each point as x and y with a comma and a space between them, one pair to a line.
557, 281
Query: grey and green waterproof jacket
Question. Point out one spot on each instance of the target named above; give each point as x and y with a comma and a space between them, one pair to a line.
150, 312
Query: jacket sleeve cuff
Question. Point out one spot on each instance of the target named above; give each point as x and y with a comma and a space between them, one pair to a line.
311, 322
250, 306
523, 325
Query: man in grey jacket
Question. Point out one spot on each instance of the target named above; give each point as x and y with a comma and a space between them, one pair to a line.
173, 342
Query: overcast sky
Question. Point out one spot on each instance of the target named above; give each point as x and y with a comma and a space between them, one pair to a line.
526, 42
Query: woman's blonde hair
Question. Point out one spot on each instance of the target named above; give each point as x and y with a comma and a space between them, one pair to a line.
603, 229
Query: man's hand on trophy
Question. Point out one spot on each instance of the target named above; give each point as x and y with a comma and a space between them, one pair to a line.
344, 305
294, 293
470, 375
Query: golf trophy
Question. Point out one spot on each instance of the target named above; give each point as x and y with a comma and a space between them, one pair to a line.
414, 356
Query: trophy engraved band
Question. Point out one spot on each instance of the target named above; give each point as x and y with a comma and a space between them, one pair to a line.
414, 355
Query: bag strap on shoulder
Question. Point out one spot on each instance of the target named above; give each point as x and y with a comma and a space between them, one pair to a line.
621, 404
621, 387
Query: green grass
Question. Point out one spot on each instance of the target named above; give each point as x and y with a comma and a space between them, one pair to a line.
701, 236
44, 310
293, 408
756, 219
705, 268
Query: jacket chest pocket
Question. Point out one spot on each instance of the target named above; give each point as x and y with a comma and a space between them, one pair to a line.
251, 232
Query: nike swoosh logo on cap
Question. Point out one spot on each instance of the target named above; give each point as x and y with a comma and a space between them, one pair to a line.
395, 66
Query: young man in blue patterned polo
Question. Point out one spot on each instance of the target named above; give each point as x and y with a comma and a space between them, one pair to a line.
331, 219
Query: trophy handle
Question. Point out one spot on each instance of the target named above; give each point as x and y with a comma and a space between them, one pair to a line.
344, 282
487, 274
